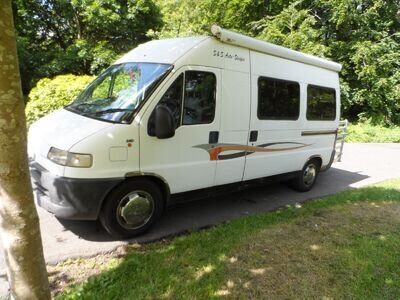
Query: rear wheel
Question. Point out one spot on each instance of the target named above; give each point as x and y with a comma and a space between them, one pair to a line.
132, 208
307, 177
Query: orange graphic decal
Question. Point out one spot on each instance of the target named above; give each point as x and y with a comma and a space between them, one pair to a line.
215, 150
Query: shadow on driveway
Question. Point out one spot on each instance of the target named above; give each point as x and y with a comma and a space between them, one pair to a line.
207, 212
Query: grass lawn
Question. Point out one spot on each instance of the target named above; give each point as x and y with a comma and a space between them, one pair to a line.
367, 133
343, 246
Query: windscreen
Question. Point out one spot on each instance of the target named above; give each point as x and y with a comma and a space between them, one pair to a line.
118, 92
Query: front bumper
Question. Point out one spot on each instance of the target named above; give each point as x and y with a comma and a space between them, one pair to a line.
70, 198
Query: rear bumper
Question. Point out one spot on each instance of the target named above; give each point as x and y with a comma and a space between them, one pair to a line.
70, 198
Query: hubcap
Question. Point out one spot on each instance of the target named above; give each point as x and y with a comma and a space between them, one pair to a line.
309, 175
135, 209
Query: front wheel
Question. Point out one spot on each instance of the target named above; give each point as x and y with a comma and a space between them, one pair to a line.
132, 208
306, 179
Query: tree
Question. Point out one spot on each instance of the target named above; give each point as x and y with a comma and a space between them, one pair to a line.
364, 37
82, 37
183, 18
293, 28
19, 226
79, 37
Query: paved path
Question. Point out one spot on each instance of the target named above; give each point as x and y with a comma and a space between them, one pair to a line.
362, 164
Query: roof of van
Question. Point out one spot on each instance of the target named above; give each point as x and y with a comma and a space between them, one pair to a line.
234, 38
168, 51
162, 51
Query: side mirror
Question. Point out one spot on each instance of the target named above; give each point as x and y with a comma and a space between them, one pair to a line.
164, 126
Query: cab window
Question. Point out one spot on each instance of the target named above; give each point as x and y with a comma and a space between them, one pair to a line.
191, 99
199, 102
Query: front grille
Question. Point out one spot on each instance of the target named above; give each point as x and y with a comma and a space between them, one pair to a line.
36, 171
39, 189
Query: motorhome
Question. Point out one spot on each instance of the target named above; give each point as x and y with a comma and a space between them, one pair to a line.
183, 115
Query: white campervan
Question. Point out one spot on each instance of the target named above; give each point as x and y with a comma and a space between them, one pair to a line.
180, 115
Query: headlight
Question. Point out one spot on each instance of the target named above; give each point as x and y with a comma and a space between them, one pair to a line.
58, 156
65, 158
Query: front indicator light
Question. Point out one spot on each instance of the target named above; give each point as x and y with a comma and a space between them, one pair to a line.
79, 160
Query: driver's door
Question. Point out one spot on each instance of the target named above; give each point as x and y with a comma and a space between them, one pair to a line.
184, 160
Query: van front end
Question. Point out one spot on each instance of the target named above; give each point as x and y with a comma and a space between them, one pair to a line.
70, 198
76, 161
81, 156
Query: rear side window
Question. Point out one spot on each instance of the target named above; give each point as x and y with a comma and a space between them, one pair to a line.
199, 101
278, 99
321, 103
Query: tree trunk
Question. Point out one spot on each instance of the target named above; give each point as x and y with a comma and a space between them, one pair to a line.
19, 223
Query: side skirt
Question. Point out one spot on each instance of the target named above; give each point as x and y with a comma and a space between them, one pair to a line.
228, 188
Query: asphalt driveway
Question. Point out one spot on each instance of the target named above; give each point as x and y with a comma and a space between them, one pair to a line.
362, 164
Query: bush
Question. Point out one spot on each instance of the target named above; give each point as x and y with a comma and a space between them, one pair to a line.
369, 133
52, 94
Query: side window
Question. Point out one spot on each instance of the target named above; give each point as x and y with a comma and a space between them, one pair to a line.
278, 99
199, 101
173, 99
321, 103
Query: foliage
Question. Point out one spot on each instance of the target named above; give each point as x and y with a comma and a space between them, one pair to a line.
80, 37
182, 18
293, 28
364, 38
365, 132
336, 246
361, 35
53, 94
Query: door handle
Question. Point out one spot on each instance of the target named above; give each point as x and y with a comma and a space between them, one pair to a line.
213, 137
253, 135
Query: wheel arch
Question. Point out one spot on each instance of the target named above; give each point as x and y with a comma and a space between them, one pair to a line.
317, 158
155, 178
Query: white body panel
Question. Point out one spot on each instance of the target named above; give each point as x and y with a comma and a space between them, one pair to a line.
61, 129
112, 155
234, 129
176, 159
275, 131
121, 149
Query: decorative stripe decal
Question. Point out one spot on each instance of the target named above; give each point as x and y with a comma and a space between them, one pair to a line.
214, 150
318, 132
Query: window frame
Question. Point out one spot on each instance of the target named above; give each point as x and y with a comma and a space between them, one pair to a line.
279, 80
307, 101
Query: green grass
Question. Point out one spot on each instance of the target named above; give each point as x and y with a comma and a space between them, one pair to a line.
368, 133
341, 246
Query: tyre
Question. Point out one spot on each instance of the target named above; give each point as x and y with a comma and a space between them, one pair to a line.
132, 208
307, 177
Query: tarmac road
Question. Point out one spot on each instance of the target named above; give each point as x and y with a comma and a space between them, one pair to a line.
361, 164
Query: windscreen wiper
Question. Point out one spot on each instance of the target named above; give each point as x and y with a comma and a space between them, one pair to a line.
76, 108
111, 110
